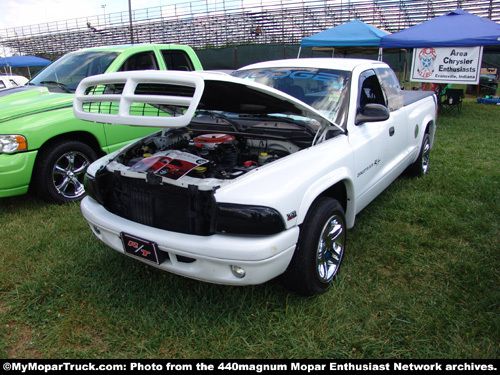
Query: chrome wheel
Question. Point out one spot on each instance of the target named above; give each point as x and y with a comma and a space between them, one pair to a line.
330, 249
320, 249
68, 173
421, 166
60, 170
426, 149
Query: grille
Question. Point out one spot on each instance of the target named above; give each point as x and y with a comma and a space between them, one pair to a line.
184, 210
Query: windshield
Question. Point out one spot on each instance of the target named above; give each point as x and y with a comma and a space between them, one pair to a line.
325, 90
67, 72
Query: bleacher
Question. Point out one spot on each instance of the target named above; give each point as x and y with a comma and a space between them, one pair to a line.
203, 24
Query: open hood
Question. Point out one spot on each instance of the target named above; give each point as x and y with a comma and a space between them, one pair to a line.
169, 99
220, 131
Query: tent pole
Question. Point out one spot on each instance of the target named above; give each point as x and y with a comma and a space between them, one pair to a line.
406, 67
333, 51
380, 54
298, 55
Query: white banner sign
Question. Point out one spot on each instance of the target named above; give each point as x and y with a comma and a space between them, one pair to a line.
447, 65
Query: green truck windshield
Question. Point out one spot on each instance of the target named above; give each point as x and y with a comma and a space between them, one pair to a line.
69, 70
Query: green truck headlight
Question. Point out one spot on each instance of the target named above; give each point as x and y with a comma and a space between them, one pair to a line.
12, 143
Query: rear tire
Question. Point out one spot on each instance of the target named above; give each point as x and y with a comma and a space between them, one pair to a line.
60, 171
320, 249
421, 166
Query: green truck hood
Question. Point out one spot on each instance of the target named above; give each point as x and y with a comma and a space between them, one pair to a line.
30, 101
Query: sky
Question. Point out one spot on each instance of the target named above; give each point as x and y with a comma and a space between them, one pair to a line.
16, 13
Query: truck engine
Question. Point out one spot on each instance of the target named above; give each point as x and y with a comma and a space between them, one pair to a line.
175, 153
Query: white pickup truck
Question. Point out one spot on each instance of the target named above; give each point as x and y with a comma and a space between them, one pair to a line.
9, 81
253, 175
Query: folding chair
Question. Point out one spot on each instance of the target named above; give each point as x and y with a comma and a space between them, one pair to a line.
452, 101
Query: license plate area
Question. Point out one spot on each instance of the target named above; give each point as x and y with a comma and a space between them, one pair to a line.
141, 248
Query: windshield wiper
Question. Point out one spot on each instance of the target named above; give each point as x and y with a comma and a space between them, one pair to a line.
58, 84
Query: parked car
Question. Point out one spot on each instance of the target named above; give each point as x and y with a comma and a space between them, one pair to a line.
43, 146
270, 181
9, 81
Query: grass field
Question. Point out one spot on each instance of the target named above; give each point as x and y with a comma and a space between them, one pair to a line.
420, 278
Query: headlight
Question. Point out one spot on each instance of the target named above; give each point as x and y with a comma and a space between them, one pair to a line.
12, 143
244, 219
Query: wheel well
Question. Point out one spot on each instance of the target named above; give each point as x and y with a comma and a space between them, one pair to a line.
430, 129
83, 137
339, 192
427, 128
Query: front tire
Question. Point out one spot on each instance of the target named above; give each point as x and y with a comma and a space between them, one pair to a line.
320, 249
61, 169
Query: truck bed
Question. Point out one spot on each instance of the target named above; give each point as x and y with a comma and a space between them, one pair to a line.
412, 96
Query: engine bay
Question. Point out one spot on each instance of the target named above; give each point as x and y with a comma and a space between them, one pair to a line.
203, 153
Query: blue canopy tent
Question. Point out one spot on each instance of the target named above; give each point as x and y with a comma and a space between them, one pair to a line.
457, 28
23, 61
354, 33
454, 29
20, 61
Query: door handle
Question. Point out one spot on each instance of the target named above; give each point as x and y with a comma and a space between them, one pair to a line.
391, 131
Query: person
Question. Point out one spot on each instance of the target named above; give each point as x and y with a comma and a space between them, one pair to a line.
257, 31
429, 86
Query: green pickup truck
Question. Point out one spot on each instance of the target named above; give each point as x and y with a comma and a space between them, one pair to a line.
43, 146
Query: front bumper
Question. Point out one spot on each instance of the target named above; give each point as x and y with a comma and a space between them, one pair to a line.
206, 258
15, 173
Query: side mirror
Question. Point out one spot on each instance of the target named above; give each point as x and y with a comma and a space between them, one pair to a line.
372, 112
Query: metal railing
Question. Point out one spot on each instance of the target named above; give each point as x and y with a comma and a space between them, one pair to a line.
207, 24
